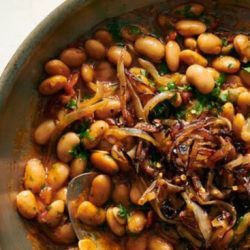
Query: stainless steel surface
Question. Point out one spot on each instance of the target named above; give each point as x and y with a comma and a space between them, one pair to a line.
19, 98
75, 189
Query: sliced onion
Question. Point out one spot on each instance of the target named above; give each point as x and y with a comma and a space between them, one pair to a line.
121, 133
156, 100
242, 227
137, 103
160, 80
234, 163
98, 96
186, 234
122, 81
154, 203
153, 191
239, 161
109, 88
201, 218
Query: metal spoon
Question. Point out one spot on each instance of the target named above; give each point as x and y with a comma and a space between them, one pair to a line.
75, 188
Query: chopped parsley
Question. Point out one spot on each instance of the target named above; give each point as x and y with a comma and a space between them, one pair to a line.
224, 41
230, 65
78, 152
171, 85
186, 12
160, 111
134, 30
72, 104
83, 130
143, 72
224, 97
114, 27
123, 213
163, 68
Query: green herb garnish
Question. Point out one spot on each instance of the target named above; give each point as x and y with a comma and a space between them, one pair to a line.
72, 104
171, 85
78, 152
163, 68
83, 131
134, 30
230, 65
224, 41
123, 213
186, 12
143, 72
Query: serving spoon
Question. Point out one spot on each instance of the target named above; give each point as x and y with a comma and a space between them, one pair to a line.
75, 189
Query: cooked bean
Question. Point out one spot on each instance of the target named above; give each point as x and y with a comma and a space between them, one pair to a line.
200, 78
100, 190
104, 37
73, 57
233, 92
209, 43
151, 47
135, 193
55, 213
61, 194
136, 222
245, 77
157, 243
63, 234
195, 9
89, 214
191, 57
66, 144
104, 162
245, 132
189, 28
87, 244
111, 109
213, 72
228, 111
44, 132
244, 99
242, 46
136, 243
238, 123
77, 167
95, 49
120, 194
190, 43
95, 134
87, 73
226, 64
26, 204
57, 67
115, 52
105, 72
34, 176
57, 175
117, 228
172, 55
52, 85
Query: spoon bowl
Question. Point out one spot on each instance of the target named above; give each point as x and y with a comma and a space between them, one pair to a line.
80, 186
